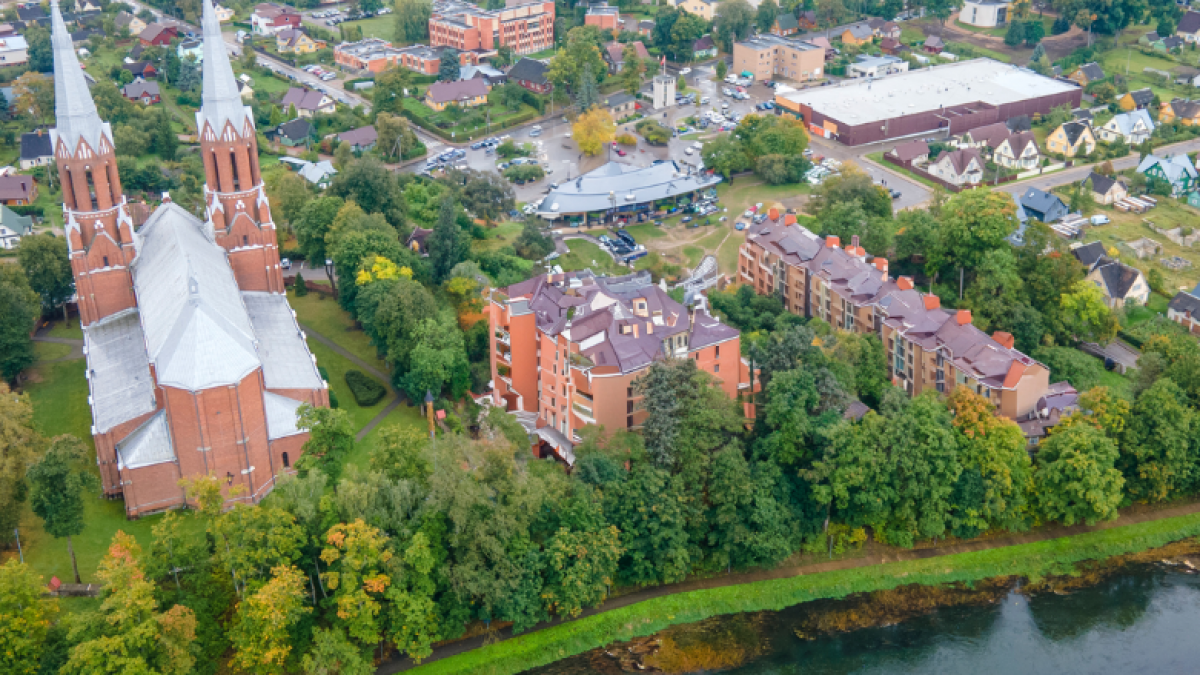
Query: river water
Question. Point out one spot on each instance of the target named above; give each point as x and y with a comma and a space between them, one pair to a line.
1142, 619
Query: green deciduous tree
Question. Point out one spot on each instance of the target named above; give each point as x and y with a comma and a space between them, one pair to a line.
993, 489
764, 18
331, 437
734, 21
25, 618
20, 308
1075, 479
1158, 447
412, 20
447, 245
333, 654
60, 481
1085, 313
438, 361
48, 269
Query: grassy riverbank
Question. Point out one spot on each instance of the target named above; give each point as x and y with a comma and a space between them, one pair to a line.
1033, 560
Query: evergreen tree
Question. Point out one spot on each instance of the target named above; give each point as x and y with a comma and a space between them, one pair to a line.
447, 247
588, 94
449, 67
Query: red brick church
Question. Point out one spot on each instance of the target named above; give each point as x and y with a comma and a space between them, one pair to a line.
195, 362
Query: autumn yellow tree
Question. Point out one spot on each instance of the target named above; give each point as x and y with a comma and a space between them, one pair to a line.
262, 636
34, 94
24, 618
128, 634
356, 555
593, 129
379, 268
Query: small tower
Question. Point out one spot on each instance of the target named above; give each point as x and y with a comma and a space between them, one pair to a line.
236, 202
99, 230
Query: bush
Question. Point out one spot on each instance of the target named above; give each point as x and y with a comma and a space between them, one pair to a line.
366, 391
654, 132
324, 373
525, 172
627, 139
333, 402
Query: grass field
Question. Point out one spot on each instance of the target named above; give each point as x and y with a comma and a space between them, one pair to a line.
378, 27
69, 329
403, 415
585, 254
329, 319
50, 351
337, 365
1126, 227
963, 50
498, 237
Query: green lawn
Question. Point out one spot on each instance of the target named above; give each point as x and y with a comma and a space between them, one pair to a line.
498, 237
336, 366
500, 115
403, 415
586, 254
49, 351
963, 50
329, 319
380, 27
645, 231
877, 157
69, 330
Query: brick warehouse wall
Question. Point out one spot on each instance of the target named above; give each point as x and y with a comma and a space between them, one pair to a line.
930, 122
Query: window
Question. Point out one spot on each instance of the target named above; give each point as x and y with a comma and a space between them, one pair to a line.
717, 368
629, 407
286, 461
718, 354
106, 261
629, 422
245, 240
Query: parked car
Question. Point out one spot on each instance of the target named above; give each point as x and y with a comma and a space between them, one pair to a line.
1100, 219
684, 71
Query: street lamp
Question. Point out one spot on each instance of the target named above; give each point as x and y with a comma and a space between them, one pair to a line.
329, 273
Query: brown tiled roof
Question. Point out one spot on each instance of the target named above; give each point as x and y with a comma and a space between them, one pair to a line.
960, 159
15, 187
991, 135
911, 150
445, 92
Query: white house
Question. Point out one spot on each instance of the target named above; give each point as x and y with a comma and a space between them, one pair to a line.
878, 66
960, 167
984, 13
1132, 127
1018, 151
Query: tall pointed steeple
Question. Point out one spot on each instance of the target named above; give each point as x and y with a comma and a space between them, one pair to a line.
222, 102
73, 106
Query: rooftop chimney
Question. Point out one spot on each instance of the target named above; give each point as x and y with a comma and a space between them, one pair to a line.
932, 301
963, 317
773, 214
904, 283
1005, 340
854, 240
832, 241
880, 264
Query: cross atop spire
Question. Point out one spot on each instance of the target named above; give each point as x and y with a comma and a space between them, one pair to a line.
222, 101
73, 105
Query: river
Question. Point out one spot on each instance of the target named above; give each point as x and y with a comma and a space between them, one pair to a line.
1141, 619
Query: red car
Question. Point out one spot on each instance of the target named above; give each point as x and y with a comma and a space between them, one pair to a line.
621, 153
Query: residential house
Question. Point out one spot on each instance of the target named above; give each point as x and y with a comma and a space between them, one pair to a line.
705, 9
1071, 139
17, 190
245, 87
927, 348
1060, 401
83, 35
224, 14
933, 45
911, 152
1177, 170
1149, 38
785, 24
892, 47
491, 76
36, 149
1184, 309
1087, 74
307, 102
158, 35
1043, 206
296, 41
32, 13
531, 74
704, 48
292, 134
14, 51
1018, 151
1019, 123
416, 241
877, 66
1134, 128
361, 139
823, 42
645, 27
1137, 100
889, 29
807, 20
129, 22
141, 90
190, 49
8, 30
602, 16
1120, 283
1188, 27
1187, 111
985, 13
319, 174
135, 53
13, 227
620, 105
959, 167
988, 136
1084, 116
141, 69
1188, 77
1106, 190
1169, 44
86, 6
464, 93
269, 18
857, 34
614, 54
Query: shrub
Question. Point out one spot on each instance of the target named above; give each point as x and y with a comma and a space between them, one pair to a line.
366, 391
525, 172
300, 286
333, 402
627, 139
324, 373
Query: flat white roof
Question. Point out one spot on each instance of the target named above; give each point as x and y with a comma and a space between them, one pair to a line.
859, 101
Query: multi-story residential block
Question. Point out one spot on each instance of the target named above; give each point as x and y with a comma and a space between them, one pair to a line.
376, 55
927, 347
767, 55
568, 348
524, 27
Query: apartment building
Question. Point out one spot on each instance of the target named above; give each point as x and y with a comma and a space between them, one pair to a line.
927, 347
376, 55
566, 350
768, 55
525, 27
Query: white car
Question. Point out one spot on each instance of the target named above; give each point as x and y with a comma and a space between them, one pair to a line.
684, 71
688, 150
703, 100
1100, 220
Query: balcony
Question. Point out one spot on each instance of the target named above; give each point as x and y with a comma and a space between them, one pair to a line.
503, 337
504, 356
578, 360
585, 413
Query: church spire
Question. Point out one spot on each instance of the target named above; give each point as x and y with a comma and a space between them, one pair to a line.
73, 106
222, 102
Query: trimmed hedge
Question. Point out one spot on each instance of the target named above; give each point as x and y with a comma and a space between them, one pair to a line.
366, 391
